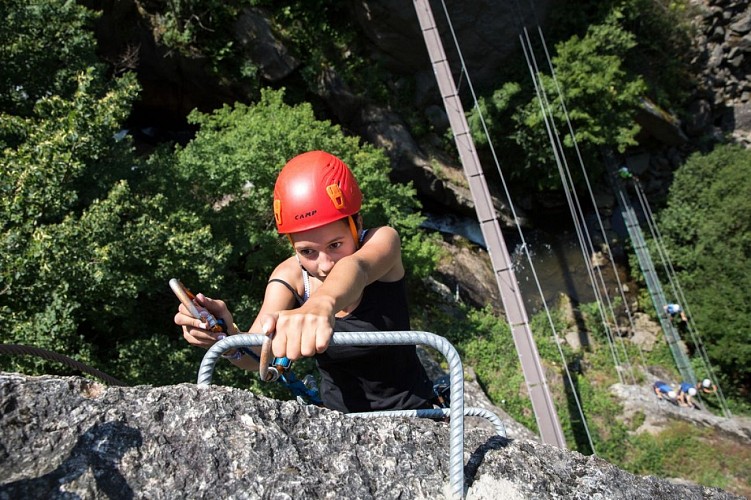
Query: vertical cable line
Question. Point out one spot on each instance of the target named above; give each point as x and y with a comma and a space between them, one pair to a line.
524, 245
546, 110
678, 291
590, 247
620, 287
542, 401
601, 226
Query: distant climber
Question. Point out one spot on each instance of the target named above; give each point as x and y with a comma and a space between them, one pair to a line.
664, 390
673, 310
686, 391
625, 174
707, 387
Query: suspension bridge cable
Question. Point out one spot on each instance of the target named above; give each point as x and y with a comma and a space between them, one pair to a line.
594, 204
600, 224
589, 245
518, 227
678, 292
567, 183
676, 286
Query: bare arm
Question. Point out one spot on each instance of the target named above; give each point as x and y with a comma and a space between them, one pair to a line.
307, 330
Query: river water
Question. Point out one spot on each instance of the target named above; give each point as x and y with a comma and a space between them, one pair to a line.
555, 260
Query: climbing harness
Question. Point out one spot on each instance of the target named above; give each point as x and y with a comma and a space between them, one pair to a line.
442, 391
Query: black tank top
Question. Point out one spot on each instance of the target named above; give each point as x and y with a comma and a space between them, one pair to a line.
372, 378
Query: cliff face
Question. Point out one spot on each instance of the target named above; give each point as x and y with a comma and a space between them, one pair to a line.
72, 438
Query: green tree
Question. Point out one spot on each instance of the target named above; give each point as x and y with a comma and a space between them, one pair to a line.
597, 96
90, 234
84, 256
706, 229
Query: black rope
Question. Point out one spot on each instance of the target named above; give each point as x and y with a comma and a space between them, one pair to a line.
17, 349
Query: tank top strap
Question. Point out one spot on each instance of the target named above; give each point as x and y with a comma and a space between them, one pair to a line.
299, 299
306, 284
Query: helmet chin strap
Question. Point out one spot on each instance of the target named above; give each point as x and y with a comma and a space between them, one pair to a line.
353, 230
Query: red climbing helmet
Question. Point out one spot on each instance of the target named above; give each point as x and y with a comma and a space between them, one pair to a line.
312, 190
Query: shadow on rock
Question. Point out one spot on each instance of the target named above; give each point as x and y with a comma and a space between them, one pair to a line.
99, 450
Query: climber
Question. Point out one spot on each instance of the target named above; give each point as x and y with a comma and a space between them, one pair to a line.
707, 387
625, 174
341, 278
663, 389
686, 391
673, 310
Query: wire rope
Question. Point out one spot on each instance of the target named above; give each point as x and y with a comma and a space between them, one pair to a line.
19, 349
600, 224
594, 204
678, 291
564, 173
524, 245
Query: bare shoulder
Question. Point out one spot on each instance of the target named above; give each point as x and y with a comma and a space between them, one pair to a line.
278, 296
382, 234
381, 248
288, 270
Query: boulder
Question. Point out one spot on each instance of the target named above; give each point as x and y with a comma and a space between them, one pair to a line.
70, 437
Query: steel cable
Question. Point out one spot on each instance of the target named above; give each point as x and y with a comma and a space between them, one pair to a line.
18, 349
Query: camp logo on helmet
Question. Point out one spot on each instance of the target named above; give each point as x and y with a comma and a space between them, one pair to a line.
305, 215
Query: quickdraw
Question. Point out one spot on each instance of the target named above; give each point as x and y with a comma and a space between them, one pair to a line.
271, 369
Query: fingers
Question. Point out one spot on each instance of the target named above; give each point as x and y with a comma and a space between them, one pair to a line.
215, 307
195, 330
200, 337
299, 335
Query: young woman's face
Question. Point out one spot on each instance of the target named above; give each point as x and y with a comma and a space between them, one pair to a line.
320, 248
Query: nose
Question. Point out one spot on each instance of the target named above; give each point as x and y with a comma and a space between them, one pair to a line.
325, 263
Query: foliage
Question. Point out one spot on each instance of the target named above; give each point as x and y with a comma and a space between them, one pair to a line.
705, 230
588, 90
231, 167
682, 450
664, 36
83, 257
90, 234
40, 57
318, 34
203, 29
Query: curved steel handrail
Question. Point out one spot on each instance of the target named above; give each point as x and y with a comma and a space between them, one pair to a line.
456, 411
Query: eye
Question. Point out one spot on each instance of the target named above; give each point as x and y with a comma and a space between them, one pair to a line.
306, 252
336, 245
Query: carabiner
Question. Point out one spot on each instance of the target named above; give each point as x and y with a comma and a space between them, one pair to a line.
265, 362
270, 368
